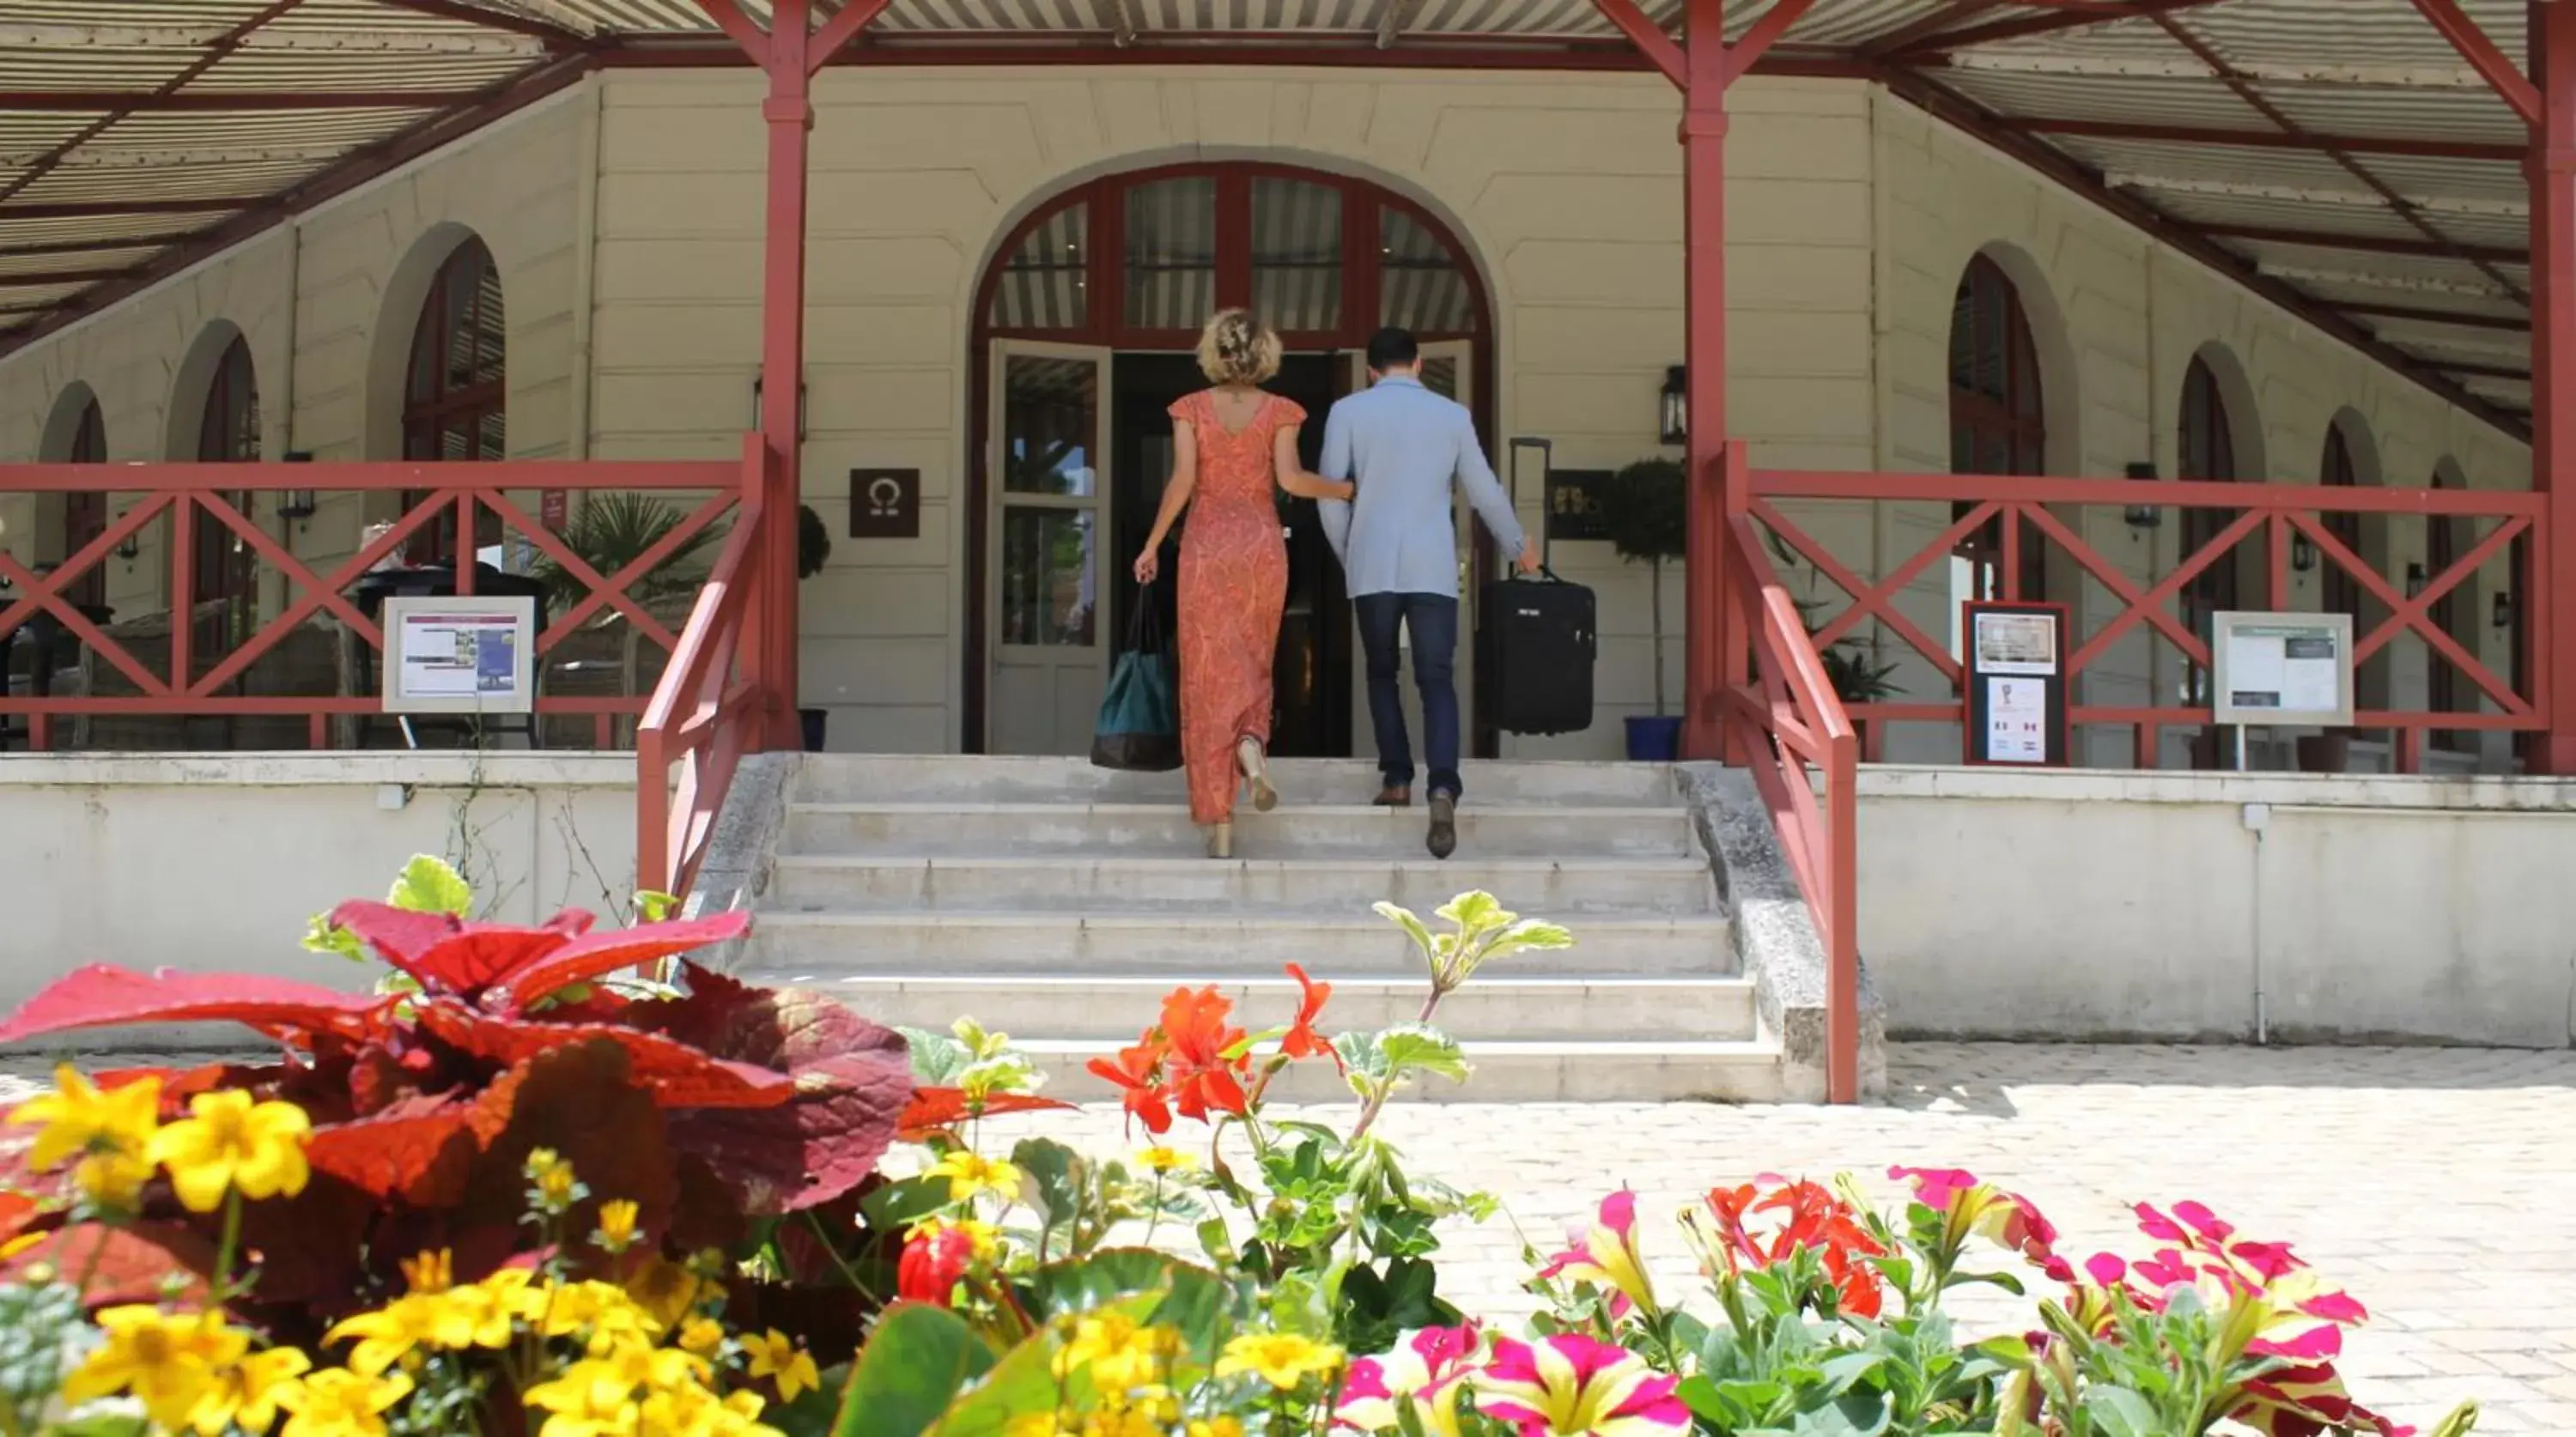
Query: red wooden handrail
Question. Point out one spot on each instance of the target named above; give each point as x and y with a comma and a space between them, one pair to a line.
1784, 723
701, 711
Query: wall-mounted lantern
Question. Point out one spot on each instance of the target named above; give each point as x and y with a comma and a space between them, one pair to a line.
2501, 612
2143, 517
1674, 406
755, 405
2303, 554
2415, 580
297, 503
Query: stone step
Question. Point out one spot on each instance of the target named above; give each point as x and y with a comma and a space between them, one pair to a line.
1555, 889
988, 830
861, 778
1195, 945
1500, 1072
1495, 1006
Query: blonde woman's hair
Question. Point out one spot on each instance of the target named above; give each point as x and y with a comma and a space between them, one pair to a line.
1237, 348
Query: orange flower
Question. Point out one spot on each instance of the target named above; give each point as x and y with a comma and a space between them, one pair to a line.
1138, 1077
1206, 1070
1302, 1040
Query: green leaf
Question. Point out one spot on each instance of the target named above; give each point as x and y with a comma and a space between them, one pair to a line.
1413, 928
1844, 1373
654, 906
937, 1059
1421, 1048
910, 1372
429, 885
1057, 1174
898, 1205
2121, 1412
321, 935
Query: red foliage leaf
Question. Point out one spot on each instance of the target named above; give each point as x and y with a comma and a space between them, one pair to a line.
678, 1075
449, 955
125, 1264
310, 1252
936, 1109
178, 1085
852, 1080
104, 996
603, 953
418, 1149
16, 1211
583, 1100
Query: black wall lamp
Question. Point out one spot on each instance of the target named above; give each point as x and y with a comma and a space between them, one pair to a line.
2143, 516
2500, 613
1674, 410
2415, 580
297, 503
2303, 554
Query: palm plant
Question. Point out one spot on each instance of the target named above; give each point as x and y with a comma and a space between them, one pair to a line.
612, 529
1851, 666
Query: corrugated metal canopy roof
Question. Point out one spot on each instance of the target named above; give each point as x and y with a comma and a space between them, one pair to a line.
2341, 155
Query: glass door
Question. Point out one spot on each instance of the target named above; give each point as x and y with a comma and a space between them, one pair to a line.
1448, 370
1050, 639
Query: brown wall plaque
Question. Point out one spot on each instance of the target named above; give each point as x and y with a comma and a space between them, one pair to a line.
885, 503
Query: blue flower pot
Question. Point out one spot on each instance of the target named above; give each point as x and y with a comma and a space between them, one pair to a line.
811, 720
1654, 740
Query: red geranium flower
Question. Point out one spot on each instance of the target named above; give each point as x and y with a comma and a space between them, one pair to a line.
1302, 1040
1137, 1074
1202, 1060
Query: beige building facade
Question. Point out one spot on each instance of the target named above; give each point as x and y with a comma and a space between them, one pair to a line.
622, 221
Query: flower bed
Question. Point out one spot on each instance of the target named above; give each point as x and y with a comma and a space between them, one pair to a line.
517, 1190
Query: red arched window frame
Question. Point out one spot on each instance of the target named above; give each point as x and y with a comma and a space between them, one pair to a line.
85, 511
2208, 454
2342, 590
227, 433
456, 384
1998, 412
2446, 538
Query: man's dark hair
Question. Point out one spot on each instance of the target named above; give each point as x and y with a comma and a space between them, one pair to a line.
1392, 348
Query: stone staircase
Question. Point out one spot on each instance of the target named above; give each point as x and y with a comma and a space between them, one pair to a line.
1058, 903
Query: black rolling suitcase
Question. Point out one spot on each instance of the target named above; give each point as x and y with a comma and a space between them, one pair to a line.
1535, 643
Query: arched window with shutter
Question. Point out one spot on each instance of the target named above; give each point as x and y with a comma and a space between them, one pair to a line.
456, 386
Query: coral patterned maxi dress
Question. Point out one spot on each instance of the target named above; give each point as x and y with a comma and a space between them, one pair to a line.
1234, 583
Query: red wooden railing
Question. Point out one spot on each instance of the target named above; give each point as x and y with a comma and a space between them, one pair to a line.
704, 712
1787, 726
2029, 509
193, 494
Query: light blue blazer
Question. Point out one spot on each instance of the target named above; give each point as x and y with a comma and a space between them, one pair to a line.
1405, 446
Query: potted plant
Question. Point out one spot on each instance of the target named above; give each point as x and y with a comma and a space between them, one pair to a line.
1642, 509
610, 530
813, 550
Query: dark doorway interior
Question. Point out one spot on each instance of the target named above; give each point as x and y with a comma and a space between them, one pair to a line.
1312, 672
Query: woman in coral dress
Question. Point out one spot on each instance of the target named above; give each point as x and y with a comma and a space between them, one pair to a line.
1231, 443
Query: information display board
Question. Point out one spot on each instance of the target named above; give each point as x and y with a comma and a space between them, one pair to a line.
2014, 672
2281, 670
460, 656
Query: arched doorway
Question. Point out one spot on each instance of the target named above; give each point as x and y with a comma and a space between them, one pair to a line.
1084, 322
78, 435
2207, 453
1998, 421
223, 573
456, 386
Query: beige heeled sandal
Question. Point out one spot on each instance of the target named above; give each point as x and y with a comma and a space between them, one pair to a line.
1256, 771
1220, 840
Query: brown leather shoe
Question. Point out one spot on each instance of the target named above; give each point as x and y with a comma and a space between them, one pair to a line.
1392, 798
1443, 838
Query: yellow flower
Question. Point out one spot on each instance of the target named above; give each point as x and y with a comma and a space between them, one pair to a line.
553, 1179
591, 1399
516, 1290
1215, 1427
617, 1225
112, 1180
600, 1311
971, 1174
702, 1335
1120, 1352
338, 1403
693, 1411
1038, 1424
167, 1361
1167, 1160
431, 1271
247, 1395
388, 1334
17, 1245
1282, 1359
78, 1118
231, 1142
776, 1356
666, 1290
464, 1317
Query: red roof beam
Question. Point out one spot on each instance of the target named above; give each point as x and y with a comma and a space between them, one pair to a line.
840, 30
99, 209
89, 246
36, 279
2417, 315
197, 102
2068, 17
1661, 49
1757, 41
2479, 371
2270, 140
2491, 63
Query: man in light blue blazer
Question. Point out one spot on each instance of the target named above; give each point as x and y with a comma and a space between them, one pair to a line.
1405, 446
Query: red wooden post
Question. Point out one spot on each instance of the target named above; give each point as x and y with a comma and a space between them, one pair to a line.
789, 111
2553, 376
1715, 651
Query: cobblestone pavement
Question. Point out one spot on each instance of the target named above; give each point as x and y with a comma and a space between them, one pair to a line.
2435, 1185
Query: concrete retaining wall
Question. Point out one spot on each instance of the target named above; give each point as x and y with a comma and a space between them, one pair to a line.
215, 862
2219, 906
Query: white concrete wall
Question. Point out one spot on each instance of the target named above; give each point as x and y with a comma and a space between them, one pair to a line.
2075, 906
217, 863
2117, 318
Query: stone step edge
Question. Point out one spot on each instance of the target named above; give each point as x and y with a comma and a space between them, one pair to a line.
1468, 810
1762, 1049
1662, 867
1368, 923
1158, 982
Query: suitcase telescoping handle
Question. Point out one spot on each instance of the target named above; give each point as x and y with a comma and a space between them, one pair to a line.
1545, 449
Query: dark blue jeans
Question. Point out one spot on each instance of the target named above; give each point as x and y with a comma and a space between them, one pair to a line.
1432, 620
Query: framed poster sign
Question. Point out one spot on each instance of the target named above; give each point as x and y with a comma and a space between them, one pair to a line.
2272, 670
460, 656
2015, 677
